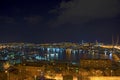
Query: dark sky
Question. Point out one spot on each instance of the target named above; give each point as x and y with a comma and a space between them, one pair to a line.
41, 21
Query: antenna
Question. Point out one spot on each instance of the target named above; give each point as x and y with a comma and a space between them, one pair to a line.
117, 40
96, 42
112, 41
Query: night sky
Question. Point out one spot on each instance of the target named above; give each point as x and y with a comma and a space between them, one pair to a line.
42, 21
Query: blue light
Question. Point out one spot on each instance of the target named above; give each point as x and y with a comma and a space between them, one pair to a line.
53, 49
57, 49
48, 49
38, 57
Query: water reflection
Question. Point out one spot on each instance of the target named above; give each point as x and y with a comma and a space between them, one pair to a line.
16, 56
72, 55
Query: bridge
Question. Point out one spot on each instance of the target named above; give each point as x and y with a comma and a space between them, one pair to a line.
110, 46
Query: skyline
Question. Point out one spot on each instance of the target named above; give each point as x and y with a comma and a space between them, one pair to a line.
59, 20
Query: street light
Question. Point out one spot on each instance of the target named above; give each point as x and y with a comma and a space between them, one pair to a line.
111, 72
35, 77
6, 66
7, 73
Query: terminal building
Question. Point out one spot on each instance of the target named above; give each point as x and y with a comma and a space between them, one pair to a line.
68, 77
95, 63
105, 78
